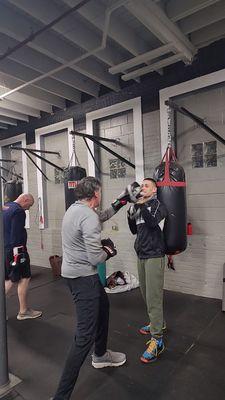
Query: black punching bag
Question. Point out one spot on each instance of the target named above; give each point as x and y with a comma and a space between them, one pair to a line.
12, 190
72, 177
171, 186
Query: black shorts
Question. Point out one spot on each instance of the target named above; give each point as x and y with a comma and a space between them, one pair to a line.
14, 274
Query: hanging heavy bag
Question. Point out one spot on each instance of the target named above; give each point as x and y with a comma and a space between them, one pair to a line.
170, 178
72, 177
12, 190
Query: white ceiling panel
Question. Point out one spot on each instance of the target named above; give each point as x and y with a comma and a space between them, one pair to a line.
96, 46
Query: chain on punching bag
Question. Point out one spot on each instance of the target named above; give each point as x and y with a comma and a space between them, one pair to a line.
170, 178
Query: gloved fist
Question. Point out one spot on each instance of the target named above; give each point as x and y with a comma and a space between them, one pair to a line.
134, 211
109, 247
18, 258
129, 195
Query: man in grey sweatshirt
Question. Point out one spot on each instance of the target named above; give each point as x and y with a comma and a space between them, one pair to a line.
82, 251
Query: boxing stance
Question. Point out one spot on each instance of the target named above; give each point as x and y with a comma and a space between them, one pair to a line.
144, 218
82, 251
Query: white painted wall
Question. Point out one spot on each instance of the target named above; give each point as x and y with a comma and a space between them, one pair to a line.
199, 268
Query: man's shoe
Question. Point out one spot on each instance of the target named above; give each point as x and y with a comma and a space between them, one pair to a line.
146, 330
29, 314
155, 348
109, 359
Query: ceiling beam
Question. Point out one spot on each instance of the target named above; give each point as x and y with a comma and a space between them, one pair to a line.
29, 101
150, 55
152, 67
17, 25
208, 34
42, 64
80, 35
177, 9
11, 105
25, 74
13, 114
3, 126
118, 31
154, 19
203, 18
46, 97
8, 121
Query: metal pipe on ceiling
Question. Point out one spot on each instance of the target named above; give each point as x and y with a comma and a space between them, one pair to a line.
32, 36
155, 19
153, 67
108, 13
149, 55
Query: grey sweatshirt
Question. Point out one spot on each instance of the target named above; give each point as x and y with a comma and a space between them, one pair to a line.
81, 240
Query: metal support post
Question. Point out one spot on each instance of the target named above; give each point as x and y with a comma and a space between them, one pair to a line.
7, 381
4, 374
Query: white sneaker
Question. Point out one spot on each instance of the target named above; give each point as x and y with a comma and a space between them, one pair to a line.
109, 359
29, 314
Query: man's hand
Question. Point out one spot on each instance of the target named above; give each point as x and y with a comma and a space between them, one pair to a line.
134, 211
129, 195
109, 247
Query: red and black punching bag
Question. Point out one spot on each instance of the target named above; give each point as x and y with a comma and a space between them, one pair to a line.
170, 178
72, 177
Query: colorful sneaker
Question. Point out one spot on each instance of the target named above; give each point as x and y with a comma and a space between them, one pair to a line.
145, 330
109, 359
155, 348
29, 314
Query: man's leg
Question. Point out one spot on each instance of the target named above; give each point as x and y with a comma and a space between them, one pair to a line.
102, 357
145, 329
86, 296
141, 277
22, 290
103, 324
154, 270
8, 285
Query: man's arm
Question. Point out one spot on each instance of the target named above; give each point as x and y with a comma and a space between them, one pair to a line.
131, 218
97, 251
104, 215
153, 214
129, 195
17, 228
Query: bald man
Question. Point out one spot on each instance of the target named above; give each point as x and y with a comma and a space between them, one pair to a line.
17, 260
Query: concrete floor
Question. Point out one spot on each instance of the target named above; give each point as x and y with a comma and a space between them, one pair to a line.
191, 368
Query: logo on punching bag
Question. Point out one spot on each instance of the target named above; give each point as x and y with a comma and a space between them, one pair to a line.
72, 184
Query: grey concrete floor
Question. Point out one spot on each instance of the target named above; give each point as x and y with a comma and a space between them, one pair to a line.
191, 368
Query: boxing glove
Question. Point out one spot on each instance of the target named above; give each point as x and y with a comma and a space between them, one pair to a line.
129, 195
109, 247
134, 211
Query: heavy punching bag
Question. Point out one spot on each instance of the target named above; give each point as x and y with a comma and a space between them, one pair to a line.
12, 190
170, 178
72, 176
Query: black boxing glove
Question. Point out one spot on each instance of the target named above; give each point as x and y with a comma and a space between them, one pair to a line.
129, 195
109, 247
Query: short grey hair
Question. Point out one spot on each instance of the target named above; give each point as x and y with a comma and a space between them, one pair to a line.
87, 187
